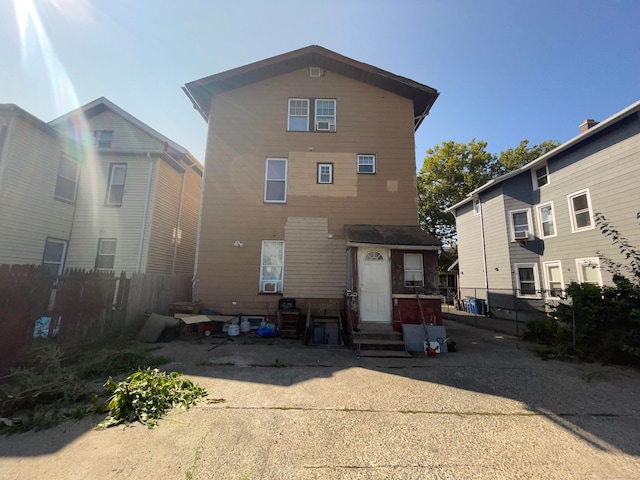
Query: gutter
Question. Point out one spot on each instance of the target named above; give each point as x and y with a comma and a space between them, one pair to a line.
205, 115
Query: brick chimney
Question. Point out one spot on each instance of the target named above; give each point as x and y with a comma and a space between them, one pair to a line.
587, 124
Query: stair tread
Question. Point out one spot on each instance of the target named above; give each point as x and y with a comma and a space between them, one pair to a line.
384, 353
375, 341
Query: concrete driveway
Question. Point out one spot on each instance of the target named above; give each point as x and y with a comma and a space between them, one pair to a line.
490, 410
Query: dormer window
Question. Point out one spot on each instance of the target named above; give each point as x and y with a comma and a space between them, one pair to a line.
103, 138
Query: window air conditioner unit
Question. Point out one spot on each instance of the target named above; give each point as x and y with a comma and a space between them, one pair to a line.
270, 287
521, 235
323, 126
316, 72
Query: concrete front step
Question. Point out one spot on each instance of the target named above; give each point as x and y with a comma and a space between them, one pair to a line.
384, 353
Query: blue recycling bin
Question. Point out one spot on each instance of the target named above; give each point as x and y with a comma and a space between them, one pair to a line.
476, 306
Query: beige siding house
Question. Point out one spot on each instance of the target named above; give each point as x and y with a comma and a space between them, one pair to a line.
526, 235
39, 173
138, 195
300, 148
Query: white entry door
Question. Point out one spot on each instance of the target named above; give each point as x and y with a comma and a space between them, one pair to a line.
374, 293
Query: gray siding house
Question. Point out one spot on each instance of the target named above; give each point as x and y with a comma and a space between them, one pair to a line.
524, 236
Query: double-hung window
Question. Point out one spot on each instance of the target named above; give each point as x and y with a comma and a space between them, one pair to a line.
103, 138
526, 277
540, 176
106, 255
325, 173
67, 182
275, 181
298, 115
553, 278
325, 115
54, 255
413, 271
115, 188
366, 164
546, 220
520, 224
589, 270
272, 266
580, 208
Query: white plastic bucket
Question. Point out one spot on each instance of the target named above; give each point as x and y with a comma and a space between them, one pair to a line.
245, 326
234, 330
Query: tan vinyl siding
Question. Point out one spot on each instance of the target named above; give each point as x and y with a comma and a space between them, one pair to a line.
94, 220
250, 124
189, 222
165, 219
28, 211
315, 265
125, 135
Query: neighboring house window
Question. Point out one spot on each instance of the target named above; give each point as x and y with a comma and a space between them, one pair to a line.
298, 115
272, 266
325, 173
589, 270
67, 182
366, 164
526, 276
275, 182
115, 188
103, 138
106, 253
580, 208
54, 255
540, 176
413, 272
476, 206
553, 278
520, 224
547, 220
325, 115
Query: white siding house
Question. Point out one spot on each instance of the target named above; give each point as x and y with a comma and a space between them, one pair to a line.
524, 236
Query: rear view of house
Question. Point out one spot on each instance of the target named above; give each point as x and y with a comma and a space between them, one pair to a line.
310, 188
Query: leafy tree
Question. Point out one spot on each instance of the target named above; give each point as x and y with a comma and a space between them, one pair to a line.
452, 170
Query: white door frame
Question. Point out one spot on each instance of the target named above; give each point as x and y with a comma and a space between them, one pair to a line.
374, 294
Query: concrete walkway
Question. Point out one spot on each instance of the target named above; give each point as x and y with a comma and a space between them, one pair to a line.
490, 410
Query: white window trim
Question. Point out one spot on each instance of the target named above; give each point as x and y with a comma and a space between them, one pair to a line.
536, 279
547, 280
101, 242
330, 165
534, 179
572, 213
360, 156
112, 168
75, 181
266, 179
98, 138
476, 206
297, 116
595, 261
404, 262
332, 124
553, 217
529, 223
60, 264
280, 283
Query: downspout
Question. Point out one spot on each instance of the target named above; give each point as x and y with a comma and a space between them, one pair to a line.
484, 252
175, 242
146, 212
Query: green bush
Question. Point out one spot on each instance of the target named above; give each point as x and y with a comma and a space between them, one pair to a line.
547, 331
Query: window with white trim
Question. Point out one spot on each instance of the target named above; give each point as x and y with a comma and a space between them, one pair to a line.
366, 164
325, 120
540, 176
547, 220
526, 277
115, 186
55, 252
325, 173
67, 181
580, 208
275, 180
103, 138
298, 115
106, 255
520, 224
554, 284
413, 270
589, 270
271, 266
476, 206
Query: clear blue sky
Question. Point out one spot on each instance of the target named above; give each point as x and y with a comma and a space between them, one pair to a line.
506, 69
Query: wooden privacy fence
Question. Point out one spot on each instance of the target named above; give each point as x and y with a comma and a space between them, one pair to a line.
77, 306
